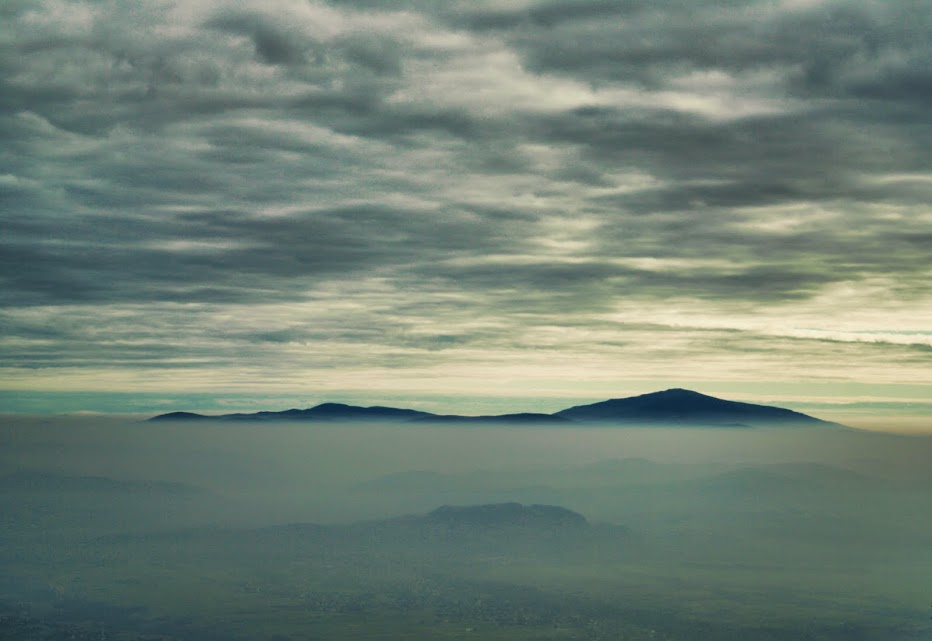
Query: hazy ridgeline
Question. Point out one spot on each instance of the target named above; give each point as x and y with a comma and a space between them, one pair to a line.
180, 531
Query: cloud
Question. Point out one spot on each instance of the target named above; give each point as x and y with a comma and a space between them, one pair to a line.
227, 188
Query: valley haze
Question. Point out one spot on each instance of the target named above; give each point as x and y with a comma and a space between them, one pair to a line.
345, 530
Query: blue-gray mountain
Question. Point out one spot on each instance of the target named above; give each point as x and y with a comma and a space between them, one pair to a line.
673, 407
680, 406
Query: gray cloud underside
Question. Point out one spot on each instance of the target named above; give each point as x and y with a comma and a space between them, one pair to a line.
550, 160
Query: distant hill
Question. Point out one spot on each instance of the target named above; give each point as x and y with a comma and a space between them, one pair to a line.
323, 412
680, 406
507, 515
810, 477
445, 535
669, 407
180, 416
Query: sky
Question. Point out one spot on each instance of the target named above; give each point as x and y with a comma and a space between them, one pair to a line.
466, 206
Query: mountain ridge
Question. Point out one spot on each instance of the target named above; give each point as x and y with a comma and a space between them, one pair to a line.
671, 407
677, 405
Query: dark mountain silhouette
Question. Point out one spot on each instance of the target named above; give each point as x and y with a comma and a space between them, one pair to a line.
180, 416
680, 406
670, 407
334, 412
322, 412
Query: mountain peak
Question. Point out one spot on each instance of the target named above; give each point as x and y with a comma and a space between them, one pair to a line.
678, 392
331, 407
679, 406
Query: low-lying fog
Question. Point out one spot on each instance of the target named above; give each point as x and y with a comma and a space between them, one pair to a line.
790, 533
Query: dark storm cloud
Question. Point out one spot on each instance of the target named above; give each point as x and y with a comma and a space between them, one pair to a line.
840, 47
274, 43
462, 171
227, 256
759, 160
600, 284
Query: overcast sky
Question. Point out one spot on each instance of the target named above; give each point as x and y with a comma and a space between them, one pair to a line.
435, 203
